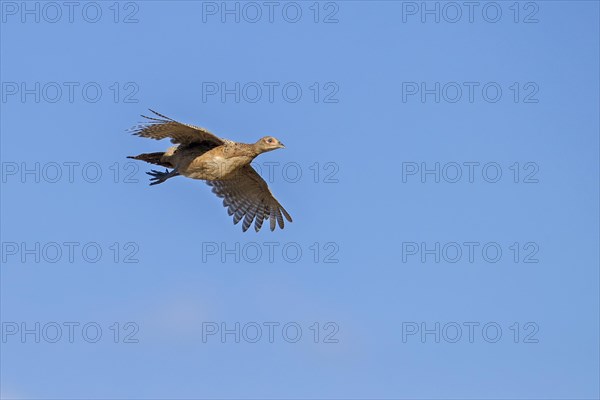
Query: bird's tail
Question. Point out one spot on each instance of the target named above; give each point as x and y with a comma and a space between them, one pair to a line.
152, 158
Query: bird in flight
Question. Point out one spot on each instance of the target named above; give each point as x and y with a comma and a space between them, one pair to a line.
223, 164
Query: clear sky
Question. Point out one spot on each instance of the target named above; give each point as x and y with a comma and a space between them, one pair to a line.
441, 169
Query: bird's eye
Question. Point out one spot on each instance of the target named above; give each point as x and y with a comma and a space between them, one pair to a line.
269, 140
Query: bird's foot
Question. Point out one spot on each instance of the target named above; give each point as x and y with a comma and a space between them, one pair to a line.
160, 177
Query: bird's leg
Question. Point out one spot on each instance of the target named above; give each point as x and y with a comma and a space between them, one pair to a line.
160, 177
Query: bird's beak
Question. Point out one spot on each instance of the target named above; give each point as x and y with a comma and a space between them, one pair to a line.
281, 146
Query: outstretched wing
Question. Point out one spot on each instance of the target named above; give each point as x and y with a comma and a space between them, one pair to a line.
248, 196
161, 127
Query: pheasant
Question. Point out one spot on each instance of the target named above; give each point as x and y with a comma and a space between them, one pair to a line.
223, 164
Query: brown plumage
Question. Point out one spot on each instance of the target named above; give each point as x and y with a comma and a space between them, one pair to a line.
222, 163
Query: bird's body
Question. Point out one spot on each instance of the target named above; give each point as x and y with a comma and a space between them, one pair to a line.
223, 164
218, 163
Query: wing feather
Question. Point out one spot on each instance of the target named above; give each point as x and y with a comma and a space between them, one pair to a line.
272, 218
260, 217
247, 196
248, 219
279, 218
165, 127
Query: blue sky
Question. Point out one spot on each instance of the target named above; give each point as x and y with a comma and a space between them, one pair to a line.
441, 169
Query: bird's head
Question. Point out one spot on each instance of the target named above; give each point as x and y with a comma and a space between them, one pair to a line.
269, 143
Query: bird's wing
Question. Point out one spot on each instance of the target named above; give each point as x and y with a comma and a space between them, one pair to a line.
161, 127
248, 197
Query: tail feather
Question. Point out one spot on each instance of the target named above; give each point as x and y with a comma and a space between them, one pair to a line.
152, 158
